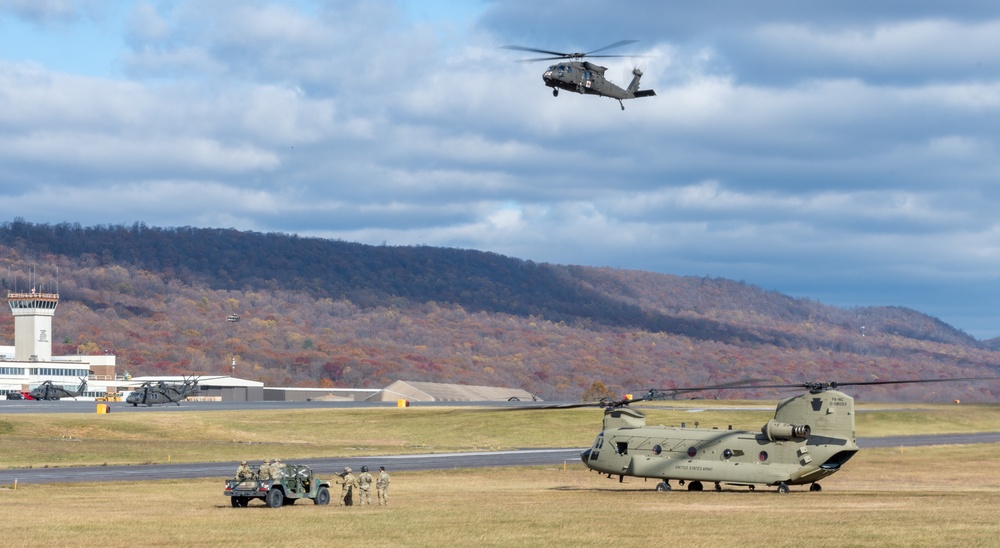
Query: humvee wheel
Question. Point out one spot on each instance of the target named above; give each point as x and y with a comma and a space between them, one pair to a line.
663, 486
235, 501
322, 497
275, 498
244, 501
782, 488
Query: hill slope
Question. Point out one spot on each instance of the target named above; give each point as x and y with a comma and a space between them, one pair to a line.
343, 314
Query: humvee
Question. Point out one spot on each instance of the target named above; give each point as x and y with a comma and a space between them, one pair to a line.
296, 482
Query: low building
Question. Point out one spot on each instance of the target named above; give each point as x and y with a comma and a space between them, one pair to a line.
432, 391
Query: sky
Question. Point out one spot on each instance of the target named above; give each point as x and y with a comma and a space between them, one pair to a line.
844, 152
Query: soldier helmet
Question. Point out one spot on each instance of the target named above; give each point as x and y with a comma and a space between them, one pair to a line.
382, 468
266, 461
364, 468
347, 469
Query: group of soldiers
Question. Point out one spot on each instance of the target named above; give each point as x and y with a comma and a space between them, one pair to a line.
268, 470
352, 486
361, 485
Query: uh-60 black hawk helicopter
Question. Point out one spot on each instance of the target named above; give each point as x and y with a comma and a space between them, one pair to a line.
576, 75
810, 438
152, 393
51, 391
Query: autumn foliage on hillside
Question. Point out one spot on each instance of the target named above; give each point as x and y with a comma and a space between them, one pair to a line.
316, 312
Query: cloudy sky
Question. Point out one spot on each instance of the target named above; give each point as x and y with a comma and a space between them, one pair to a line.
841, 151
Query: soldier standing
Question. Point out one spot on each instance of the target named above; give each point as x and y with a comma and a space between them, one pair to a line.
382, 486
264, 472
243, 472
365, 486
348, 481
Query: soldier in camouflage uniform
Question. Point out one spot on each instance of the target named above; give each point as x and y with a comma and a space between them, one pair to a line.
264, 472
365, 486
382, 486
349, 482
243, 472
277, 469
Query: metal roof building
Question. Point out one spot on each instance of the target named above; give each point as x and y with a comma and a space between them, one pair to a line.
433, 391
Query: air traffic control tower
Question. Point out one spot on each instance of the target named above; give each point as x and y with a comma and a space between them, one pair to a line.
33, 325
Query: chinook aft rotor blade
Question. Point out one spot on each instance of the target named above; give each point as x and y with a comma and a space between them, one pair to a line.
820, 386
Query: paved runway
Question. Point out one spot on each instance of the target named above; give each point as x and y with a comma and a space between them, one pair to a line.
441, 461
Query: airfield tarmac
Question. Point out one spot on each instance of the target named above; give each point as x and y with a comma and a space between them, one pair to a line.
439, 461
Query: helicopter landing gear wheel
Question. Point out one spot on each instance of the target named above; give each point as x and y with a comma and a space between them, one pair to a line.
752, 487
555, 92
695, 486
662, 486
816, 487
782, 488
718, 486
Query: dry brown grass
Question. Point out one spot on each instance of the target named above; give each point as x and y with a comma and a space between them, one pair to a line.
914, 497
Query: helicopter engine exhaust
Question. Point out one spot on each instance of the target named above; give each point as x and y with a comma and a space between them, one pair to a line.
782, 431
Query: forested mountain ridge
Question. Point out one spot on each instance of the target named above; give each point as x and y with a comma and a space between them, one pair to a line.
336, 313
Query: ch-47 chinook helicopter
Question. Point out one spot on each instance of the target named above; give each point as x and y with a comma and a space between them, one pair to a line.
50, 391
574, 74
152, 393
810, 438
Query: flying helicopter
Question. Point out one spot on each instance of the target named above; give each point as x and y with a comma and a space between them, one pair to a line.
152, 393
811, 437
50, 391
572, 73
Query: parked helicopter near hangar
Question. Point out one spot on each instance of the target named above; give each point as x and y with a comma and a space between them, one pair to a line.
50, 391
811, 437
152, 393
576, 75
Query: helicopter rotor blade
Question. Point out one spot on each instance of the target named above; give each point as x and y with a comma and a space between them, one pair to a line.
822, 385
609, 46
558, 54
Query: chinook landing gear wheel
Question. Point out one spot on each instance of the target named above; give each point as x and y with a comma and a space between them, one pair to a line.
695, 486
815, 487
555, 92
752, 487
663, 486
718, 486
782, 488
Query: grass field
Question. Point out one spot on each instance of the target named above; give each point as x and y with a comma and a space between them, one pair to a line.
917, 497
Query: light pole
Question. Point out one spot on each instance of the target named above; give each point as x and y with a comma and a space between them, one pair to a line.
233, 318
